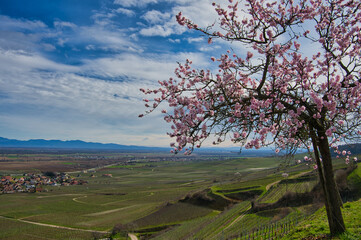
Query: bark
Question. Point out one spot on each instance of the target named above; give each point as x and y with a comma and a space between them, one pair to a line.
335, 219
321, 175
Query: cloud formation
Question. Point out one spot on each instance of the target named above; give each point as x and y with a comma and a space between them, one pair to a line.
69, 79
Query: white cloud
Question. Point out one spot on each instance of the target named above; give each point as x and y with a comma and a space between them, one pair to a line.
157, 30
103, 19
99, 37
174, 40
62, 24
48, 47
164, 23
7, 23
155, 16
13, 61
146, 68
125, 11
52, 100
200, 12
103, 35
134, 3
199, 39
17, 41
22, 34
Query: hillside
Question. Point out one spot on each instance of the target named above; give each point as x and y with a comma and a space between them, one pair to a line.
72, 144
316, 226
355, 148
43, 144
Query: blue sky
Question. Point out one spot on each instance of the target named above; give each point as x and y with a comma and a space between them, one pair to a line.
72, 69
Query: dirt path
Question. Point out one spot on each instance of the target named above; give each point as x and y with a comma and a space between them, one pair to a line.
109, 211
76, 199
238, 218
272, 184
60, 195
94, 168
189, 183
55, 226
132, 236
295, 176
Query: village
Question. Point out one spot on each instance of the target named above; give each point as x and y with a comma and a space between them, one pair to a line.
31, 183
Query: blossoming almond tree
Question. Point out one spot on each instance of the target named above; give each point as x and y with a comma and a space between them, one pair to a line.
298, 84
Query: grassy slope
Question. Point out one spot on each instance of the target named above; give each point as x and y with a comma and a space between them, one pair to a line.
317, 225
12, 229
219, 225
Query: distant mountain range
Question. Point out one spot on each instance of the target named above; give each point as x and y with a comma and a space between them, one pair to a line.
73, 144
81, 145
77, 144
94, 146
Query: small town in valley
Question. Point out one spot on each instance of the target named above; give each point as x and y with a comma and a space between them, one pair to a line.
31, 182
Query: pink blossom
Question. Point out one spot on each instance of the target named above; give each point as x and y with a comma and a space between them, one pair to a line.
328, 133
249, 56
341, 122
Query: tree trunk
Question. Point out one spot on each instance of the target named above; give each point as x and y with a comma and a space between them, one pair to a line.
321, 175
335, 219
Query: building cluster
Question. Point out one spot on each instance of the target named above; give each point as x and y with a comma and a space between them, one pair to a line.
30, 182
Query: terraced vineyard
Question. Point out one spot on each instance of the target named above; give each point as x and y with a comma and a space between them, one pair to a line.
298, 185
239, 219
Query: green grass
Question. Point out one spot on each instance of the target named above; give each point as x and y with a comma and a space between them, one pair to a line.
187, 229
13, 229
172, 214
317, 224
221, 221
69, 163
277, 191
131, 194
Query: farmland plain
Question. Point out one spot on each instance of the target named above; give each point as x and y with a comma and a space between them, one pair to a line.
150, 194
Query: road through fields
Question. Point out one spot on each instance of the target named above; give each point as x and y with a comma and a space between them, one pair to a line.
55, 226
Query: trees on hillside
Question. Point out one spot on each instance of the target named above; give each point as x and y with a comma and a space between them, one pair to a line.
297, 84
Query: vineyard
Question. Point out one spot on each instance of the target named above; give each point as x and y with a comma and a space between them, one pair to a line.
239, 221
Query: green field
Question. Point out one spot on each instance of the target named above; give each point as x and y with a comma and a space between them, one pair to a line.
147, 197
